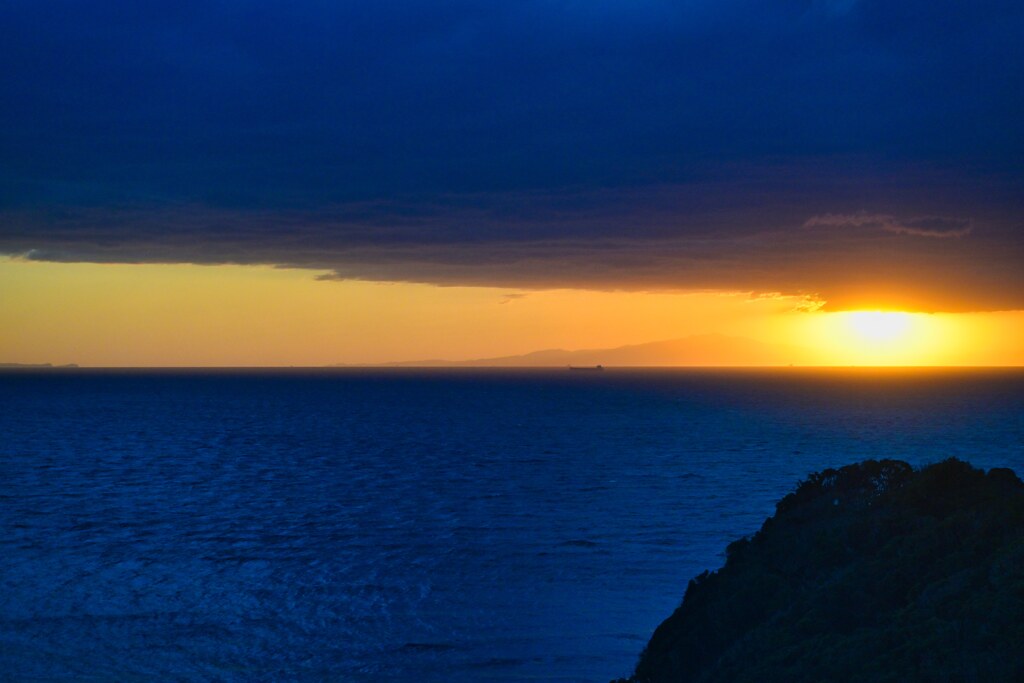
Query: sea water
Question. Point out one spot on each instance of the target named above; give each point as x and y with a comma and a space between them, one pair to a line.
416, 525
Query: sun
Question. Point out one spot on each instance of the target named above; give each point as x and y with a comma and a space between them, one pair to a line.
879, 337
880, 327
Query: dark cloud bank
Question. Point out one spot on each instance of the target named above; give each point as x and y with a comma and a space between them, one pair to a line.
864, 152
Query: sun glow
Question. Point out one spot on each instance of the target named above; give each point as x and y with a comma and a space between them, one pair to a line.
880, 327
884, 338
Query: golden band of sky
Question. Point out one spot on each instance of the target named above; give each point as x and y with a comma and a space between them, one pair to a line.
186, 315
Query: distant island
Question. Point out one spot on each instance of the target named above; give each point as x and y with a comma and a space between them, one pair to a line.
873, 572
5, 366
705, 349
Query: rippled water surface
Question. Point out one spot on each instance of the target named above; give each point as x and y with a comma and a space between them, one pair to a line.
416, 525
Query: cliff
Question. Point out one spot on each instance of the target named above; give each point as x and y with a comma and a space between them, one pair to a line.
873, 572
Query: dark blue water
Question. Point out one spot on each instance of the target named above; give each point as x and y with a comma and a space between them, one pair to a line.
416, 525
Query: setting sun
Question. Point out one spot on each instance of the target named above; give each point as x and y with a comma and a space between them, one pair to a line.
888, 338
880, 326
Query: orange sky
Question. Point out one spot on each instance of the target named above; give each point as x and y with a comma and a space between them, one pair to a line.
185, 315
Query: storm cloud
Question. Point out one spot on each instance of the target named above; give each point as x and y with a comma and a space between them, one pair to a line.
858, 152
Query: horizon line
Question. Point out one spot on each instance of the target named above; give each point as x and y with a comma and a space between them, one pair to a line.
459, 366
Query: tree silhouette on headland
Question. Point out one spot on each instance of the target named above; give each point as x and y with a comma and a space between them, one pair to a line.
873, 572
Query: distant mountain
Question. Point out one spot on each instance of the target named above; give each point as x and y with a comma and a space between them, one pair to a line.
706, 349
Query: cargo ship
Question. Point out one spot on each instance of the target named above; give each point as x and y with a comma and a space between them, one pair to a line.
587, 368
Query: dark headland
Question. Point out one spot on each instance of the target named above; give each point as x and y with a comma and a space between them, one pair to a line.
873, 572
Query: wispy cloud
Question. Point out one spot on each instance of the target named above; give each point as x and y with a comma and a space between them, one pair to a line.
939, 227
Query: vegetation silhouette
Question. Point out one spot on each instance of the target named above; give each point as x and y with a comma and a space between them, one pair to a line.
873, 572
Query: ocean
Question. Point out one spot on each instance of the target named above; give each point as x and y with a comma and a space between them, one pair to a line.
416, 525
